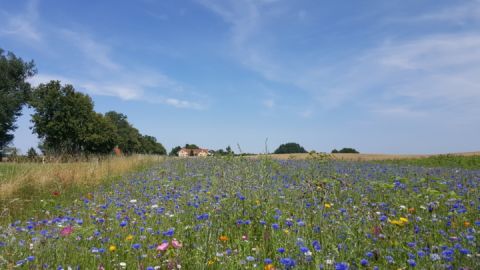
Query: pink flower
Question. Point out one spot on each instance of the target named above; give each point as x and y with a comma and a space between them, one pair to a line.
244, 237
66, 231
176, 243
162, 246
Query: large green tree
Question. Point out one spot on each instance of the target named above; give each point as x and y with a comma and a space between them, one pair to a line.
14, 93
149, 145
66, 123
290, 148
128, 137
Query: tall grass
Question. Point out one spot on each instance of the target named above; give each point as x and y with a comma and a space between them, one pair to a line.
22, 183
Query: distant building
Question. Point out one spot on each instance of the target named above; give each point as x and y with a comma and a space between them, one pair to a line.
185, 152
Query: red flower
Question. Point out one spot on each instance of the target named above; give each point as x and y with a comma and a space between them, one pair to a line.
56, 193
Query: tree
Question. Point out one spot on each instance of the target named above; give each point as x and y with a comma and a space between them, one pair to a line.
66, 123
290, 148
348, 151
128, 137
31, 153
334, 151
14, 93
174, 151
229, 150
149, 145
191, 146
100, 135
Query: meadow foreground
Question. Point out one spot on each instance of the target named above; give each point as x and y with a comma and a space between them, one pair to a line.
235, 213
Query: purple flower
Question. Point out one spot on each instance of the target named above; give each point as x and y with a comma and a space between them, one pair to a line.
341, 266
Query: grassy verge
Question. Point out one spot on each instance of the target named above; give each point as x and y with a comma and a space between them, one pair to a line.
447, 161
23, 186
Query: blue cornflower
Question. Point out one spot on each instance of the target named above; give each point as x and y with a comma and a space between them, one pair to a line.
169, 232
250, 258
304, 249
123, 223
275, 226
316, 245
136, 246
21, 262
341, 266
369, 254
411, 262
203, 216
267, 261
288, 262
389, 259
281, 250
464, 251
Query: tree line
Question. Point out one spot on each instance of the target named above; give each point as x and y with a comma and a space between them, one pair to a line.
64, 119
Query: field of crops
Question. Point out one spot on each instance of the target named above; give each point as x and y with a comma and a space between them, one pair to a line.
235, 213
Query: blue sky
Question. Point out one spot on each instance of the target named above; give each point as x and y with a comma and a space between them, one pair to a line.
397, 76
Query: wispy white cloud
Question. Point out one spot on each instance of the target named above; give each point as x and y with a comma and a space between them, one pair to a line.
409, 77
98, 72
269, 103
458, 13
91, 49
22, 25
123, 90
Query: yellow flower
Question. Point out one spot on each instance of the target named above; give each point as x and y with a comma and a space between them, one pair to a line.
269, 267
327, 205
286, 231
112, 248
210, 262
129, 237
400, 222
258, 202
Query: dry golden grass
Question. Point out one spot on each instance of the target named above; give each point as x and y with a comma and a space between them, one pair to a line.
17, 177
364, 157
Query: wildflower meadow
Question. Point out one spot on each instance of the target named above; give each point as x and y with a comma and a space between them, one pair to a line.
243, 213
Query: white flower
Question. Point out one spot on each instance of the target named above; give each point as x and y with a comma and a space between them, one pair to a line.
403, 207
123, 265
133, 201
329, 262
154, 206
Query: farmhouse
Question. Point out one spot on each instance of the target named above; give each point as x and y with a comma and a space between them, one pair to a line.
185, 152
